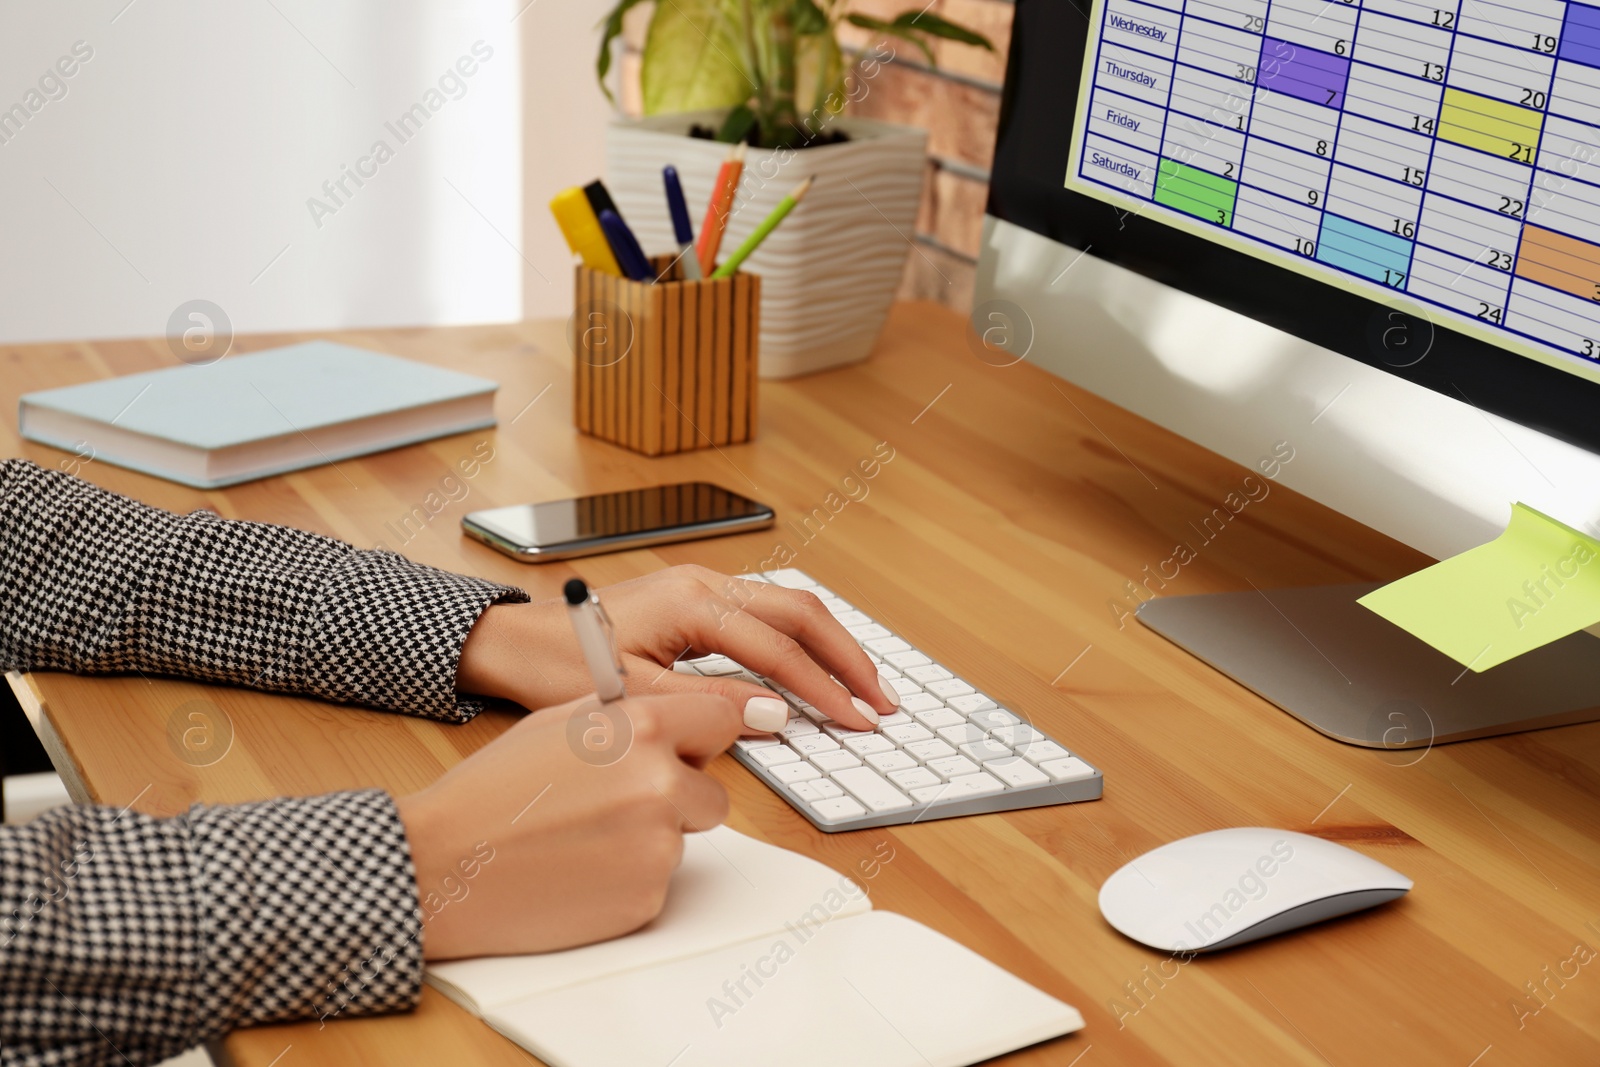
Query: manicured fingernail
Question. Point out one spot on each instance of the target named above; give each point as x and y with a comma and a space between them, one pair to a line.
889, 693
767, 714
865, 709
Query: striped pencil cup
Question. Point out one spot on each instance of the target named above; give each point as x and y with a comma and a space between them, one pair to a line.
666, 367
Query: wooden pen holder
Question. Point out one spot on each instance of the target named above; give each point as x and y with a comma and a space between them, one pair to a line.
668, 366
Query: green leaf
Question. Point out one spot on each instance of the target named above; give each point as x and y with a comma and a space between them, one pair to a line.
612, 30
929, 23
808, 18
893, 29
819, 72
692, 57
736, 125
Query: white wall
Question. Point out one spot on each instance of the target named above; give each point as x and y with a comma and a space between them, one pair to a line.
564, 124
180, 160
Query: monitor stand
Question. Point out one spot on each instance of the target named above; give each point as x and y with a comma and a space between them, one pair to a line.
1353, 675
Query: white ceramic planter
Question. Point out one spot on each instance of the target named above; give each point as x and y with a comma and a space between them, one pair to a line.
830, 272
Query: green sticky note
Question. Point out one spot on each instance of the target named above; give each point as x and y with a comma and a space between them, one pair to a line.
1536, 583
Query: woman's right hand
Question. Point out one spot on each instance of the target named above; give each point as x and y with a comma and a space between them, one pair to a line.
567, 828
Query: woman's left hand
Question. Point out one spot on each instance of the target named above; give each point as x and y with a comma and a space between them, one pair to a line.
528, 652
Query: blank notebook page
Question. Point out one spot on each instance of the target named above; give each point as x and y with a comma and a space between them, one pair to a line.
877, 989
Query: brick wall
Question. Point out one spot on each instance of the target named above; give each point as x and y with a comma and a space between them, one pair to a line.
958, 103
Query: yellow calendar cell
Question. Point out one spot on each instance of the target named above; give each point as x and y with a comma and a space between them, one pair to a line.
1488, 125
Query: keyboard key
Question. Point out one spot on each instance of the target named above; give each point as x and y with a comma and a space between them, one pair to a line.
837, 605
717, 666
798, 727
885, 645
939, 718
952, 767
773, 755
795, 772
868, 631
984, 751
872, 789
855, 618
893, 760
970, 703
993, 719
899, 718
867, 744
964, 734
684, 667
839, 733
1071, 769
1020, 734
903, 685
945, 688
907, 661
810, 712
1016, 772
902, 735
816, 789
925, 673
971, 785
1041, 751
747, 743
920, 701
835, 761
884, 670
811, 744
914, 778
790, 578
931, 749
838, 808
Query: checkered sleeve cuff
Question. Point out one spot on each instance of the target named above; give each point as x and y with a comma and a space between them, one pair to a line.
128, 939
92, 582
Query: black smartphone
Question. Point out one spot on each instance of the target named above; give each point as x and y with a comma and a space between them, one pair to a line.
611, 522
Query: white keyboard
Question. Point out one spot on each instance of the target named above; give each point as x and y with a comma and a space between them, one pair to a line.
950, 750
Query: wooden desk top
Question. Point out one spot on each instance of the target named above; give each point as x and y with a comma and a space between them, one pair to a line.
1011, 516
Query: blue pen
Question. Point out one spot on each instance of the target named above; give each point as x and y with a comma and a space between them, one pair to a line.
626, 246
680, 224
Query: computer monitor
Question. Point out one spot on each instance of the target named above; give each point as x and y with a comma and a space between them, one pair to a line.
1368, 230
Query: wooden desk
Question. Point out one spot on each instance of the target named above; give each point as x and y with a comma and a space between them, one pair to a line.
1012, 514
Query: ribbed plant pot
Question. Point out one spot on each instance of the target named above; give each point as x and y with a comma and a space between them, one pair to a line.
830, 272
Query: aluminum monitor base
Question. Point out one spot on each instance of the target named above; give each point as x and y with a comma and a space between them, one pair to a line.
1353, 675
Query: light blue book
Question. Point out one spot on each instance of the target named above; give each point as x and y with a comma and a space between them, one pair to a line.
255, 415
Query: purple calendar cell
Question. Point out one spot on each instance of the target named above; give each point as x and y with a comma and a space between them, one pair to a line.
1303, 72
1580, 37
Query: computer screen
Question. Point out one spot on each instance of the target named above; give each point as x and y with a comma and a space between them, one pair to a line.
1337, 170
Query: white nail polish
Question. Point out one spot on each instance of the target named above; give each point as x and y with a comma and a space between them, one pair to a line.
767, 714
865, 709
889, 692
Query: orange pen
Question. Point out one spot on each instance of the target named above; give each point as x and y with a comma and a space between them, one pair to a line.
719, 209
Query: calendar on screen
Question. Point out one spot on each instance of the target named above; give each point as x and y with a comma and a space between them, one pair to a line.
1447, 150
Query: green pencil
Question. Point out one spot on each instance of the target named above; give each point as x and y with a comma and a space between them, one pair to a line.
731, 265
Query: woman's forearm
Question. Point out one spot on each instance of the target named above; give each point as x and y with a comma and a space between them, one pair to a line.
128, 939
92, 582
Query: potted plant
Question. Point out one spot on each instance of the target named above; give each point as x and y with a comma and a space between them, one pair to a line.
771, 74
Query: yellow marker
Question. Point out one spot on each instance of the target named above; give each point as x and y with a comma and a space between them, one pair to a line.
582, 230
1488, 125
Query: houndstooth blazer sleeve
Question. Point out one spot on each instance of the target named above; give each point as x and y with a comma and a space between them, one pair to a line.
92, 582
126, 939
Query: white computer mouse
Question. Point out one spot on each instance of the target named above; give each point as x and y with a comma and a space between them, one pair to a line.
1226, 887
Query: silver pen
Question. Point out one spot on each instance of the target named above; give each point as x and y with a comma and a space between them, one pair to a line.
595, 639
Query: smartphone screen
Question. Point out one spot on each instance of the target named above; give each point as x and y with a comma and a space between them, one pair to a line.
605, 522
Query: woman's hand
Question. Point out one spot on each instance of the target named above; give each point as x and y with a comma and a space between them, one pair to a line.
528, 653
545, 840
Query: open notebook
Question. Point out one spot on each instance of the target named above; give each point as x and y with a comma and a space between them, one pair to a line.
761, 956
